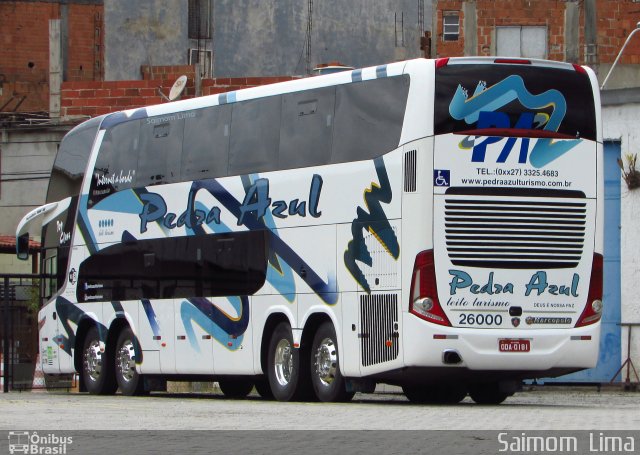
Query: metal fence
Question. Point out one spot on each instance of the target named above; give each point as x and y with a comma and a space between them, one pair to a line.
20, 367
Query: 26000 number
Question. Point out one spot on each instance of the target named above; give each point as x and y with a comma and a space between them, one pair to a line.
480, 319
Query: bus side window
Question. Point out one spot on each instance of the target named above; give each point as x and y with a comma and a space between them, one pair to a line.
255, 136
369, 118
117, 161
228, 264
50, 270
160, 151
306, 128
205, 147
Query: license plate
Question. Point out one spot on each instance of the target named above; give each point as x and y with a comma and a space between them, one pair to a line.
508, 345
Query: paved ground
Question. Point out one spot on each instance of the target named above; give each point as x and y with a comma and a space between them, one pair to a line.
545, 408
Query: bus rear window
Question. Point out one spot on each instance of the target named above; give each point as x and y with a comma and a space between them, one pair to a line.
532, 100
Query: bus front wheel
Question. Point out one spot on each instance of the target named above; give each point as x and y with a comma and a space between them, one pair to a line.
236, 388
97, 370
129, 380
263, 387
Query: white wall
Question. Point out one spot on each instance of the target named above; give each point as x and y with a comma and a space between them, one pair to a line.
620, 122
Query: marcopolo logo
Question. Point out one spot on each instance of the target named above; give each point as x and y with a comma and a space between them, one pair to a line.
33, 443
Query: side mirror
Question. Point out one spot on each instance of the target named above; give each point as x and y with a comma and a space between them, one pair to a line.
22, 246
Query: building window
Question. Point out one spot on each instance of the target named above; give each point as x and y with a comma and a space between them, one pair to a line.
450, 26
199, 19
521, 41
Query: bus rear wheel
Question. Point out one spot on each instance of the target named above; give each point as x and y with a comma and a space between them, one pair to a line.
97, 370
129, 380
328, 383
287, 367
236, 387
488, 393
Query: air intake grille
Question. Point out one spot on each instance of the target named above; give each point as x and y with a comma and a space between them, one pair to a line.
515, 234
379, 322
410, 163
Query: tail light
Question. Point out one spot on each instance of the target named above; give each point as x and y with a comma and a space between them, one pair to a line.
593, 309
442, 62
424, 301
512, 61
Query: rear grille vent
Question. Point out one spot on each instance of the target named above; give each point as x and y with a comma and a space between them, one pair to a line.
379, 328
410, 162
515, 234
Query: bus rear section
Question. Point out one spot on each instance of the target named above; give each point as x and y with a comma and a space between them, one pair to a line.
512, 288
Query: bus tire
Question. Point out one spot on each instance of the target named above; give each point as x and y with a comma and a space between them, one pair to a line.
487, 393
328, 383
285, 366
97, 370
129, 380
455, 394
420, 394
435, 394
263, 388
236, 387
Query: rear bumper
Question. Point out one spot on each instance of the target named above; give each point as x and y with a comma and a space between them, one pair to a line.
551, 349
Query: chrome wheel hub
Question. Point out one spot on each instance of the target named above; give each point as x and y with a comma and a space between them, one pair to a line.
126, 361
93, 356
283, 362
326, 361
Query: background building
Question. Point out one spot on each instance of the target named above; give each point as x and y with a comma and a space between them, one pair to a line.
260, 37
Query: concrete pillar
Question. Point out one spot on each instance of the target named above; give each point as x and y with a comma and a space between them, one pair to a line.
470, 28
55, 68
572, 32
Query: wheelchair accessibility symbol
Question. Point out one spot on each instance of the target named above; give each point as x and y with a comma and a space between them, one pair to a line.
441, 177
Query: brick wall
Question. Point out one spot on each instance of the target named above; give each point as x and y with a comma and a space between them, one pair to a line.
96, 98
24, 50
85, 53
498, 13
615, 19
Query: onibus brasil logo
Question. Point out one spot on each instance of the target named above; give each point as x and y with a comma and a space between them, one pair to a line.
30, 442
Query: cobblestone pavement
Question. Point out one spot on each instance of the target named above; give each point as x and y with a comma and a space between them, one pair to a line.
543, 408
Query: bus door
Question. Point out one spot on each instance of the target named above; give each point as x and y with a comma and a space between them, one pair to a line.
48, 322
56, 240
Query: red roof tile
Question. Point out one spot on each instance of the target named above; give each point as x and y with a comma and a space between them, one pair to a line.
8, 244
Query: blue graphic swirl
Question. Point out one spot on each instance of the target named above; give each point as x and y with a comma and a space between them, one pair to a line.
225, 329
375, 221
502, 93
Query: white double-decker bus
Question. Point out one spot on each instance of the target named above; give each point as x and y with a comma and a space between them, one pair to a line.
434, 224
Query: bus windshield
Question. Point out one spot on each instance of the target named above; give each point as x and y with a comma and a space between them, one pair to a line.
71, 161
